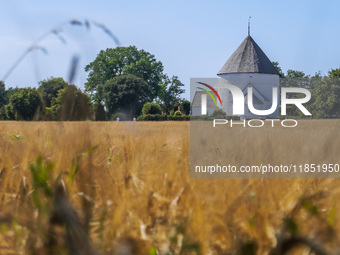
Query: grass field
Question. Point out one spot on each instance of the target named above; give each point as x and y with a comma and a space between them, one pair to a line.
125, 188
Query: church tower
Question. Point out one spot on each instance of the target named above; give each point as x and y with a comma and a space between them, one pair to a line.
248, 66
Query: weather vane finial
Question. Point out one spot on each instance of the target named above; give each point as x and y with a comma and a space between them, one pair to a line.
249, 25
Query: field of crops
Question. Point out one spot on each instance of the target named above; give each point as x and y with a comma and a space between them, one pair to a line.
125, 188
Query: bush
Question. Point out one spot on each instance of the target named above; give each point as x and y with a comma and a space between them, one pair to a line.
158, 117
24, 104
99, 112
152, 117
186, 107
71, 104
151, 108
8, 113
126, 93
178, 117
211, 117
176, 108
219, 114
178, 113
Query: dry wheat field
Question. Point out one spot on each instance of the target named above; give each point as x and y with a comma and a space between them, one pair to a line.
125, 188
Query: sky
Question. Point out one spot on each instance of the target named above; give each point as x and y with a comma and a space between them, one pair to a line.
193, 39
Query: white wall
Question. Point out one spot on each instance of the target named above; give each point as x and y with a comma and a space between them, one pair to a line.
196, 110
262, 82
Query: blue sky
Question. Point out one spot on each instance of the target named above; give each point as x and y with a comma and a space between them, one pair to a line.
191, 38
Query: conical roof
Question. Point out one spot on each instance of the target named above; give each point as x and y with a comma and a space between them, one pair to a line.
248, 58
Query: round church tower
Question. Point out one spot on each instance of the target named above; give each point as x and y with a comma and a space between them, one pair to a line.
248, 66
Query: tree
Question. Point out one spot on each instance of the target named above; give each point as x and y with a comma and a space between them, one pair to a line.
126, 94
169, 94
3, 99
297, 79
6, 110
186, 105
279, 69
8, 113
295, 74
25, 103
10, 92
334, 73
121, 61
49, 89
178, 113
99, 112
151, 108
219, 114
71, 104
326, 94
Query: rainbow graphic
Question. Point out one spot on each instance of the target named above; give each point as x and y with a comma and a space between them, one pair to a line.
208, 92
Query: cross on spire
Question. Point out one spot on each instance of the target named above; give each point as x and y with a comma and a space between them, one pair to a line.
249, 25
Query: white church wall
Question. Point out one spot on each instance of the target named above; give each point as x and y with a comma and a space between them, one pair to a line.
196, 110
261, 82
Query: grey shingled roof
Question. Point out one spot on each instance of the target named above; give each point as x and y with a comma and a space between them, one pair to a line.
248, 58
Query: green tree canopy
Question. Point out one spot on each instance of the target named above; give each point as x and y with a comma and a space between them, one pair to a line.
70, 104
25, 103
186, 105
295, 78
121, 61
49, 89
126, 94
151, 108
99, 112
6, 110
3, 99
219, 114
5, 94
295, 74
326, 95
334, 73
169, 94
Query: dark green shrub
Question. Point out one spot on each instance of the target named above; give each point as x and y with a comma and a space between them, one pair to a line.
176, 108
71, 104
8, 112
219, 114
178, 113
186, 107
152, 117
211, 117
158, 117
151, 108
99, 112
25, 103
178, 118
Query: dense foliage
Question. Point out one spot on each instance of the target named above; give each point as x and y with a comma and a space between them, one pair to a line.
151, 108
49, 89
114, 62
70, 104
24, 105
158, 117
123, 79
126, 94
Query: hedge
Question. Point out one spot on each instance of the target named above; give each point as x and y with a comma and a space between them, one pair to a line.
159, 117
206, 117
